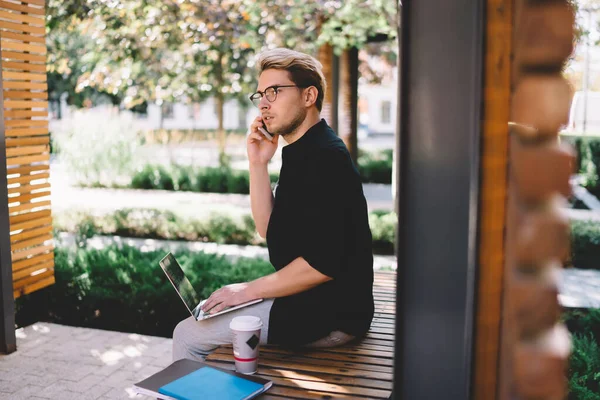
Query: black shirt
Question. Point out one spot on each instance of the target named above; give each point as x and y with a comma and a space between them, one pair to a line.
320, 214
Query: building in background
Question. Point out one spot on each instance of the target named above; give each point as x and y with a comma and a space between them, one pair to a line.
585, 113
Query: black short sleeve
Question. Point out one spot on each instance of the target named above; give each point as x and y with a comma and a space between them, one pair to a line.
321, 223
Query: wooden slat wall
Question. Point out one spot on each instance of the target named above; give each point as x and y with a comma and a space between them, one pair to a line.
25, 97
535, 344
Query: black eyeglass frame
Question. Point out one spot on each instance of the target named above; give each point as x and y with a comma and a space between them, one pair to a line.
275, 91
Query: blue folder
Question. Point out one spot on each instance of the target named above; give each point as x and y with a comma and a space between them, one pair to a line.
209, 383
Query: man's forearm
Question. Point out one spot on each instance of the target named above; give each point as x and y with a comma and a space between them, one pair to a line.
296, 277
261, 197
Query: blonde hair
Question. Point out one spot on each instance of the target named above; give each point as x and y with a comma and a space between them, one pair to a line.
304, 70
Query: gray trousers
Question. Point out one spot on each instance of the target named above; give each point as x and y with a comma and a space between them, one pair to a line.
196, 339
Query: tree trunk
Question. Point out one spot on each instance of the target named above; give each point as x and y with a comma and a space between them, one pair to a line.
326, 59
161, 119
349, 101
220, 104
335, 93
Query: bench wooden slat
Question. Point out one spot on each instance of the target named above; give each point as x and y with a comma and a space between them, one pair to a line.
363, 350
387, 294
314, 376
294, 380
364, 358
376, 342
387, 330
312, 365
389, 316
380, 336
290, 393
363, 345
387, 321
359, 370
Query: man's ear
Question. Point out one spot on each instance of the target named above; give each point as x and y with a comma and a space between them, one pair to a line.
310, 96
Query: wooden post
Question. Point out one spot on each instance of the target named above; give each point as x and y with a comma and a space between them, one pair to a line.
493, 192
8, 341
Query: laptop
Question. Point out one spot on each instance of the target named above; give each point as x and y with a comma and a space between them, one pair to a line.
186, 292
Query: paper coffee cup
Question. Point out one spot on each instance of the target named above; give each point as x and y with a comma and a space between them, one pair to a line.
246, 340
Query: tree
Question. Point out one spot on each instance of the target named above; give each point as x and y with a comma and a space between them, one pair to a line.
349, 29
137, 51
69, 52
219, 43
153, 50
127, 49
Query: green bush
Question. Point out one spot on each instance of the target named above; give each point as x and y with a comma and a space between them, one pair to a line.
593, 165
159, 224
373, 168
376, 167
185, 178
205, 180
584, 369
584, 363
577, 142
221, 228
585, 244
124, 289
383, 228
218, 228
213, 180
588, 160
153, 177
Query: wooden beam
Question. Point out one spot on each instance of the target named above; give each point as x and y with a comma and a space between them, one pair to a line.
493, 189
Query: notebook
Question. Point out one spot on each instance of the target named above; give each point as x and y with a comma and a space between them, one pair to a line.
191, 380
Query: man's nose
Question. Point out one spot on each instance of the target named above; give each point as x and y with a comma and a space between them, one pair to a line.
264, 103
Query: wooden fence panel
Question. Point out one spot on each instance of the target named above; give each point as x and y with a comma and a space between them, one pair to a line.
25, 112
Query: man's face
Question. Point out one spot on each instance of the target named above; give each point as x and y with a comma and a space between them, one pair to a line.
287, 112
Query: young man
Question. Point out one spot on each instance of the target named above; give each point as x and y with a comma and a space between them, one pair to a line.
316, 224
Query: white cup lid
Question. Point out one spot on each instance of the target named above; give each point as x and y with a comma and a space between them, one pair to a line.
245, 323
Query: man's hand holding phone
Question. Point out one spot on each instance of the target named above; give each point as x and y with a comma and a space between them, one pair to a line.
261, 146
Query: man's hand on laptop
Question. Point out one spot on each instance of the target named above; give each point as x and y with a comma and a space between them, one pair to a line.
227, 296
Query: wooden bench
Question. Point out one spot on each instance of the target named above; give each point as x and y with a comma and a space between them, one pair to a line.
361, 370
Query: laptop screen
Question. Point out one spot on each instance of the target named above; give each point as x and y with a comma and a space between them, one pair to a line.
179, 281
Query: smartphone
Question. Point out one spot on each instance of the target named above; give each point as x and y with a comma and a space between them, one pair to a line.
266, 133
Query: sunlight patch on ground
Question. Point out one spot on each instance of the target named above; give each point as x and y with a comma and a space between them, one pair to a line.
110, 357
115, 355
41, 328
137, 338
131, 393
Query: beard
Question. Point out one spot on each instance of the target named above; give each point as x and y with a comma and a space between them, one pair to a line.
293, 124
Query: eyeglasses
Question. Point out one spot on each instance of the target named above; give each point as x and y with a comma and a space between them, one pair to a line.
270, 93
